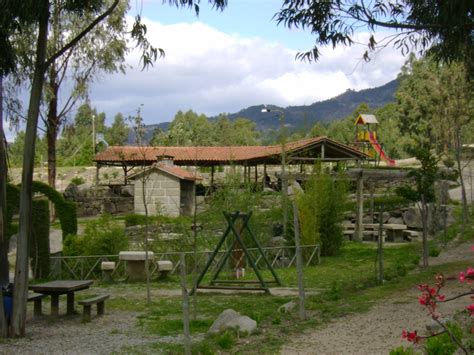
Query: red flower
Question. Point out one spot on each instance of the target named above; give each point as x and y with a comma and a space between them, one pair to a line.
462, 277
410, 336
441, 297
470, 309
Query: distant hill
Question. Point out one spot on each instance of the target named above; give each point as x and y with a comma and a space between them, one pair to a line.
323, 111
307, 115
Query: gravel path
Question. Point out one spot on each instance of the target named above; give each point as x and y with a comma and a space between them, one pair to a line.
379, 330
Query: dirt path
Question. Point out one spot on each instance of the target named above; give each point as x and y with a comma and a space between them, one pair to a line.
379, 330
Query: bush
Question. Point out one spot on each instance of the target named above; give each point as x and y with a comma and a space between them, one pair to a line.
135, 220
101, 237
443, 344
78, 180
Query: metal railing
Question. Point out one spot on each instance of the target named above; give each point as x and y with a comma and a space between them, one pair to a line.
89, 267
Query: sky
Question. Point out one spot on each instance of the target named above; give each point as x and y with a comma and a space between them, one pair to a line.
222, 62
225, 61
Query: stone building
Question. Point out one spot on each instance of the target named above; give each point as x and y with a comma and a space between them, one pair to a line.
169, 189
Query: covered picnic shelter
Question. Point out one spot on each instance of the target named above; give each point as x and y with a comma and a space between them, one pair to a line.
304, 151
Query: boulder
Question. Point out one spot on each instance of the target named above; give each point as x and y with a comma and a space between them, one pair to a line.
412, 218
277, 242
232, 319
395, 220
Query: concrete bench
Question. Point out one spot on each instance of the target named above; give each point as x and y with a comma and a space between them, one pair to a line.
98, 300
37, 298
164, 267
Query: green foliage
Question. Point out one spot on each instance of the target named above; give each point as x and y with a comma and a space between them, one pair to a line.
434, 252
443, 344
101, 237
226, 340
321, 209
134, 219
39, 244
78, 180
117, 134
401, 350
13, 206
66, 210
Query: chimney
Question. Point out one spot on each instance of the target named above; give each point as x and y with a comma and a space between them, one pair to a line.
167, 160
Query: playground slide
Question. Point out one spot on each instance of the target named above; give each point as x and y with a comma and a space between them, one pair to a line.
379, 150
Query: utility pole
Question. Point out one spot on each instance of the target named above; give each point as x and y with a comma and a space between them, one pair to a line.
284, 180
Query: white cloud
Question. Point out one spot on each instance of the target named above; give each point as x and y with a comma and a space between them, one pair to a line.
210, 72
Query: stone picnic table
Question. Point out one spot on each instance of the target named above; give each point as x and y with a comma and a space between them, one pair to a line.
136, 264
61, 287
394, 232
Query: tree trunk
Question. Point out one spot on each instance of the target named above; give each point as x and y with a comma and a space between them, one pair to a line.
465, 207
424, 222
4, 267
52, 127
17, 328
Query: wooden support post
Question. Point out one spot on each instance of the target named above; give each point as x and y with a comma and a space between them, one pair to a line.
256, 174
125, 173
299, 263
212, 175
264, 176
372, 188
323, 151
359, 227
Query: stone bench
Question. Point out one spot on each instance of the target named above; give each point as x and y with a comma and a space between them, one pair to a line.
98, 300
37, 298
164, 267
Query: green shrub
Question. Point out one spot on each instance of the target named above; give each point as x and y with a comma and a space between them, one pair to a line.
39, 244
434, 252
101, 237
225, 340
443, 344
134, 219
78, 180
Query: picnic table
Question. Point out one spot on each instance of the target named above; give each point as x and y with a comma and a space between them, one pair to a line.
394, 232
61, 287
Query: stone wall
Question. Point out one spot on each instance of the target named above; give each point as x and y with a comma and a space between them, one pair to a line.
92, 200
162, 195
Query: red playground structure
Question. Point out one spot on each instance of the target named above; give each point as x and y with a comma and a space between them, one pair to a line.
366, 139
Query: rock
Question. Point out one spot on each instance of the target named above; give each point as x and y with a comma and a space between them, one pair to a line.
395, 220
71, 191
232, 319
412, 218
287, 307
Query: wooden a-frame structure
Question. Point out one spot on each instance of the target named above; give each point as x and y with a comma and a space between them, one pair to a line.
232, 231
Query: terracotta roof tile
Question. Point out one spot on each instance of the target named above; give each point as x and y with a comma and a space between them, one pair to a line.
192, 155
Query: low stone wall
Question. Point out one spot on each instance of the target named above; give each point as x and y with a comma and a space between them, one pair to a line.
93, 200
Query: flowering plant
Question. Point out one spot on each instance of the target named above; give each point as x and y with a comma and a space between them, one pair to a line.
431, 296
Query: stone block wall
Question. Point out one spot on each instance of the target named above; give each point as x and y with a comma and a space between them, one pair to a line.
162, 195
92, 200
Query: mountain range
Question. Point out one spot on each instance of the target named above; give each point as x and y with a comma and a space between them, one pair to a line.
307, 115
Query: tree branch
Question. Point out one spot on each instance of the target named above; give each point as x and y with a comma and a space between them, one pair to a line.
82, 34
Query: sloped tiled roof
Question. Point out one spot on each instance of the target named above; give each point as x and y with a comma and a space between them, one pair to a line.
216, 155
174, 170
